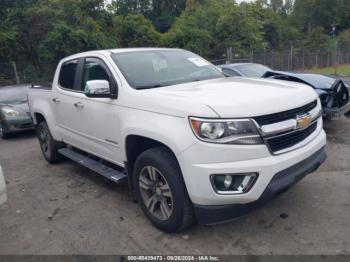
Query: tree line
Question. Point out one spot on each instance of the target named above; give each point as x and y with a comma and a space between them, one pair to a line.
44, 31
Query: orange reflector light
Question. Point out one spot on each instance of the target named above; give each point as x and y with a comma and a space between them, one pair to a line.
196, 125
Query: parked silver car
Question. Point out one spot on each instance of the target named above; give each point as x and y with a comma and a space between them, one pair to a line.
14, 110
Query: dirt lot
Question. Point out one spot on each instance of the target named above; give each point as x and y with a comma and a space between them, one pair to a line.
65, 209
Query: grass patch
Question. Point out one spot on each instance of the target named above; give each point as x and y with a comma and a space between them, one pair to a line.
342, 70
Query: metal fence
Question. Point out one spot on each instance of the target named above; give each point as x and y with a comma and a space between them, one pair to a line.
7, 74
290, 60
18, 72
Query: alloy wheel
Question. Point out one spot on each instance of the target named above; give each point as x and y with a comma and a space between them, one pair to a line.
156, 193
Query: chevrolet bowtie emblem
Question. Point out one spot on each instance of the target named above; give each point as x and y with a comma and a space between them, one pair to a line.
304, 121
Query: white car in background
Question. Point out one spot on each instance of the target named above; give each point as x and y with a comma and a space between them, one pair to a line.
3, 197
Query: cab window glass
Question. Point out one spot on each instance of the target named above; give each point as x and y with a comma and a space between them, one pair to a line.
94, 69
67, 74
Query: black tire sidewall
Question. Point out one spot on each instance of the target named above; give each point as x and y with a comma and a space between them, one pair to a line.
52, 156
163, 160
5, 134
43, 126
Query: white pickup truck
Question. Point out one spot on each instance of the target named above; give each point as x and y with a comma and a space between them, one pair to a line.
193, 144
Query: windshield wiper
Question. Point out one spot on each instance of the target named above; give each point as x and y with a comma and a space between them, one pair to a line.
170, 83
149, 87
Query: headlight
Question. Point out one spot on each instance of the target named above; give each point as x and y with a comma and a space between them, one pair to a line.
238, 131
9, 112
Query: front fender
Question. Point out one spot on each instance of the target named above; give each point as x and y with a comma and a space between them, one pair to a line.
172, 131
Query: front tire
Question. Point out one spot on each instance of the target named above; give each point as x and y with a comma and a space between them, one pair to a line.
48, 145
161, 191
3, 133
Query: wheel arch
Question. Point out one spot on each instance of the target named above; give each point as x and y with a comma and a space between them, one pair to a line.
136, 145
38, 118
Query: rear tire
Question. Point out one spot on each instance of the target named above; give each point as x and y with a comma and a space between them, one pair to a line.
48, 145
161, 191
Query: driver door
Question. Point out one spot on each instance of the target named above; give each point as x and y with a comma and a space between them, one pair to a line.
98, 122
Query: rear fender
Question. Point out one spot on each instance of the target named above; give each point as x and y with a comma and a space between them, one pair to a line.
43, 108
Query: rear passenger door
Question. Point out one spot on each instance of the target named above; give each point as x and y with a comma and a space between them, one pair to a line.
64, 96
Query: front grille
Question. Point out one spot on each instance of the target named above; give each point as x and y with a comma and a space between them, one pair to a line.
29, 125
341, 96
290, 114
291, 139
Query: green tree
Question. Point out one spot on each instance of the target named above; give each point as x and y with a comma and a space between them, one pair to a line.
318, 40
344, 41
161, 13
309, 14
44, 31
194, 29
240, 27
134, 30
208, 28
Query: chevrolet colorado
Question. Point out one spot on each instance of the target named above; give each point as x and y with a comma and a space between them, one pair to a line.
193, 144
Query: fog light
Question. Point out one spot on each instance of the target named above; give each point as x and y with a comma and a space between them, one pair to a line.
233, 183
228, 181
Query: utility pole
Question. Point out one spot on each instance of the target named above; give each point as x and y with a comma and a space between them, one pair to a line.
229, 56
15, 71
291, 57
334, 36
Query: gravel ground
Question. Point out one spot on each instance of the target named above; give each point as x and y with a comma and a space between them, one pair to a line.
66, 209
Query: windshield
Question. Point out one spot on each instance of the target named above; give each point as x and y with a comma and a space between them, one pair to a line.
157, 68
252, 70
13, 94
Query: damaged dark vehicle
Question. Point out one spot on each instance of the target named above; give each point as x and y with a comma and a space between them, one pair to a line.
333, 92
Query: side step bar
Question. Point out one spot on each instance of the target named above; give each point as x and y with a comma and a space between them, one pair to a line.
96, 166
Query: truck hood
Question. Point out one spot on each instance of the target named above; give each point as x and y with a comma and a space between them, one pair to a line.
241, 97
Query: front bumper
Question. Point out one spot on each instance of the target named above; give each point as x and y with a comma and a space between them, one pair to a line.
202, 160
279, 183
18, 124
334, 113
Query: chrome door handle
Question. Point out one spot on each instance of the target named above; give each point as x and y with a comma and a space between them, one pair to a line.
56, 100
79, 105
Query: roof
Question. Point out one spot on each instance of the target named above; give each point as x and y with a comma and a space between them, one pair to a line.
115, 51
138, 49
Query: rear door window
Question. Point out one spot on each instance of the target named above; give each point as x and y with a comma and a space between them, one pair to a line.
67, 75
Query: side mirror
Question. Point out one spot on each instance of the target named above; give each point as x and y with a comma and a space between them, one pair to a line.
98, 89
